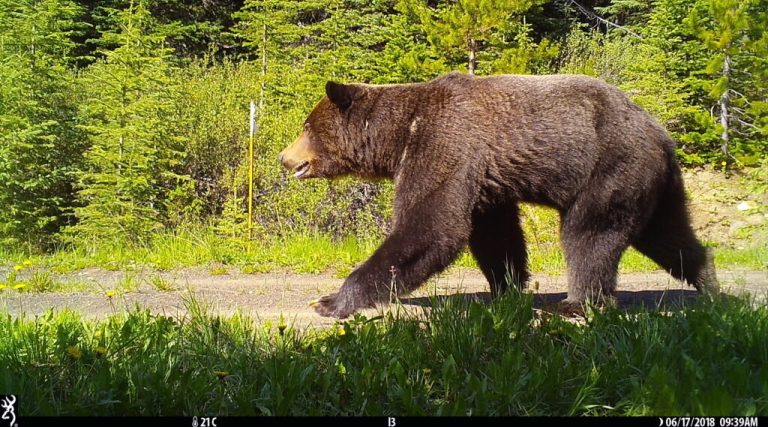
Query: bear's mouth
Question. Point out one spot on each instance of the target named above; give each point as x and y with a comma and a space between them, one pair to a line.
301, 169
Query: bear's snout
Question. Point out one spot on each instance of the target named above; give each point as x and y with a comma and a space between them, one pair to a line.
298, 157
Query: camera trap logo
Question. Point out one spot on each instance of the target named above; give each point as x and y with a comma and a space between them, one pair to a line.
8, 406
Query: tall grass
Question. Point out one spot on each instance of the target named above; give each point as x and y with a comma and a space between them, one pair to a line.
303, 253
307, 252
458, 358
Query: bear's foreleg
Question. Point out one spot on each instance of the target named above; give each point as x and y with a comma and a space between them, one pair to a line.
498, 244
428, 235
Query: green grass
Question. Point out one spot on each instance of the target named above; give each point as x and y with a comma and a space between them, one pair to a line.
304, 254
129, 283
300, 253
218, 271
161, 284
550, 260
753, 258
41, 281
459, 358
312, 253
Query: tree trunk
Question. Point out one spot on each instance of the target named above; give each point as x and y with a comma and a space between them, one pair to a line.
263, 66
725, 104
472, 64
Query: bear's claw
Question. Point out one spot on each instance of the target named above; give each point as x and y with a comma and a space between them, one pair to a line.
331, 306
341, 304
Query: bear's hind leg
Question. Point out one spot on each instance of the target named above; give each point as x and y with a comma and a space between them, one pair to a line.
668, 239
593, 240
498, 245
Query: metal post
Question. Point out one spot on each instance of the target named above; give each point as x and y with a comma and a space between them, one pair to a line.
250, 170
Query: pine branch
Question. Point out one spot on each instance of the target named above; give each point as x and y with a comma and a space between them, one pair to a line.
749, 125
741, 95
595, 17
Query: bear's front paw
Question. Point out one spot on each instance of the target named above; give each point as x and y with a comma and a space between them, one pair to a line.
341, 305
570, 308
334, 306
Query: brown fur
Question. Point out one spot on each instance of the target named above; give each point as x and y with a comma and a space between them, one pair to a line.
463, 151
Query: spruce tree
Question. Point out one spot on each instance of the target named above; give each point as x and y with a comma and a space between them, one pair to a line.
464, 28
663, 79
408, 56
135, 152
40, 146
279, 36
733, 34
626, 13
350, 38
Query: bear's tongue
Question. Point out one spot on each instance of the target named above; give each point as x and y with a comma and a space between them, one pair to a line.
301, 170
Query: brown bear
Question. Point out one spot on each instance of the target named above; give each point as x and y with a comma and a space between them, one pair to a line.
464, 151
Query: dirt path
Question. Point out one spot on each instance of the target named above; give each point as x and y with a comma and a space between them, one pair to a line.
268, 296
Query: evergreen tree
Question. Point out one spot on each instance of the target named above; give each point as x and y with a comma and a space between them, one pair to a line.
135, 152
662, 79
468, 27
40, 147
733, 33
280, 36
348, 40
626, 13
407, 55
192, 28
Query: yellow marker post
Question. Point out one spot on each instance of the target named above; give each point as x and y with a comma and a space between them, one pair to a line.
250, 172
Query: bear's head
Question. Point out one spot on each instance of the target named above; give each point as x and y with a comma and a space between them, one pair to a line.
331, 142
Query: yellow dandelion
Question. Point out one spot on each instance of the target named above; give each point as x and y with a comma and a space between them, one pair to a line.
221, 374
27, 262
341, 368
74, 352
2, 287
342, 332
100, 351
18, 267
20, 286
109, 294
725, 163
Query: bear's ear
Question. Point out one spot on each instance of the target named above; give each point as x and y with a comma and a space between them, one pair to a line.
340, 94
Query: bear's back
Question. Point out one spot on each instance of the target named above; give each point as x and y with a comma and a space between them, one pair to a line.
560, 102
560, 128
537, 89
